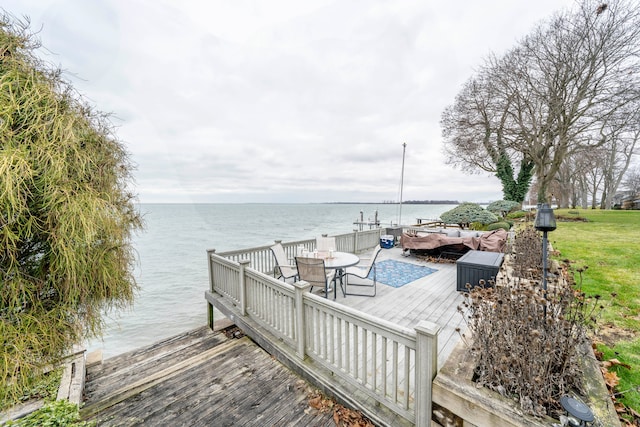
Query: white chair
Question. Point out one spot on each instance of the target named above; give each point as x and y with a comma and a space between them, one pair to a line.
325, 244
282, 267
312, 270
362, 271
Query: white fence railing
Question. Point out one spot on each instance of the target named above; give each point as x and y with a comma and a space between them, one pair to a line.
262, 259
389, 363
367, 352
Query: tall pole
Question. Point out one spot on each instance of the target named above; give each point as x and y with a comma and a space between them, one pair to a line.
544, 262
544, 270
404, 147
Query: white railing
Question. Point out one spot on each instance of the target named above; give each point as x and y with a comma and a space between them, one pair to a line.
389, 363
272, 303
370, 353
262, 259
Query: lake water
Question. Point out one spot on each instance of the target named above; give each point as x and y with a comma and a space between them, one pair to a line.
172, 264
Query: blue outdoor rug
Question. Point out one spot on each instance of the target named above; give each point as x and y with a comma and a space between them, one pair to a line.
395, 273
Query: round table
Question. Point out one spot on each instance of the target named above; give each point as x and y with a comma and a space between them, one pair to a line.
339, 262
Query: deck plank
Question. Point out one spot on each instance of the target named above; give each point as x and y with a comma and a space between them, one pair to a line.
143, 362
433, 298
241, 385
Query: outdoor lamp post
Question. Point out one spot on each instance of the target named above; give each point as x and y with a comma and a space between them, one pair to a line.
579, 414
545, 222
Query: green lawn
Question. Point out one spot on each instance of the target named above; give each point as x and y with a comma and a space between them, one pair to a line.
609, 245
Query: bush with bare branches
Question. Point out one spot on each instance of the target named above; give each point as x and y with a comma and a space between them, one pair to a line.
527, 341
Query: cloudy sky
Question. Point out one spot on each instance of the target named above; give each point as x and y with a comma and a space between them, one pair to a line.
281, 101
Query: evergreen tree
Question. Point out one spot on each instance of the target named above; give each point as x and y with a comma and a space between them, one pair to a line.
66, 214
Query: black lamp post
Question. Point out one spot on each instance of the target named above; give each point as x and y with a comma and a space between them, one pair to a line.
579, 413
545, 222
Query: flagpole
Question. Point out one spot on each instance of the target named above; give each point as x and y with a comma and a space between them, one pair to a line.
404, 147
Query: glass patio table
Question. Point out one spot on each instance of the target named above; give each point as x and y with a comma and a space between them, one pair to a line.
339, 262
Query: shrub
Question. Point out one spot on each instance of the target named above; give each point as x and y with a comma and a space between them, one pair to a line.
534, 358
67, 214
503, 207
519, 214
526, 254
467, 213
478, 226
502, 224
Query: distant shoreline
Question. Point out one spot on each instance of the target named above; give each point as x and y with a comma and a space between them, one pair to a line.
408, 202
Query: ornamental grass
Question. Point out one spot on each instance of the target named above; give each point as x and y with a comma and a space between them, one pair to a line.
66, 215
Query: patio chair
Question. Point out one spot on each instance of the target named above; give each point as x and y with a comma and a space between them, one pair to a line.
312, 270
362, 271
282, 267
325, 244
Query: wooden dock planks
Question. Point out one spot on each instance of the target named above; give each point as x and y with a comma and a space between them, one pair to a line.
205, 378
198, 378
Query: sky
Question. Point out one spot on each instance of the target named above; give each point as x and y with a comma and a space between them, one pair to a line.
282, 101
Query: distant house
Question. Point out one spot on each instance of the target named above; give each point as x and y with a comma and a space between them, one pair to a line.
634, 203
626, 200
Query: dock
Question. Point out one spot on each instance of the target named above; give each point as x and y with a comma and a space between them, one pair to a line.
205, 377
198, 378
371, 224
375, 354
394, 358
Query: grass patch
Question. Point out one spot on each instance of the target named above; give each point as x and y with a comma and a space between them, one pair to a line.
628, 353
609, 245
41, 387
57, 413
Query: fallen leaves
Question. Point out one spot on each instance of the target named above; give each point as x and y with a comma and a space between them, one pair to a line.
628, 417
608, 364
611, 379
233, 332
342, 416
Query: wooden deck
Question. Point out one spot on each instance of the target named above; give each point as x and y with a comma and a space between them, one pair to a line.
433, 298
205, 378
198, 378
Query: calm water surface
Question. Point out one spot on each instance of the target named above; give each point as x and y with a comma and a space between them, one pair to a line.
172, 266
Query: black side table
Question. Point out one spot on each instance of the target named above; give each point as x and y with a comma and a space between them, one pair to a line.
475, 266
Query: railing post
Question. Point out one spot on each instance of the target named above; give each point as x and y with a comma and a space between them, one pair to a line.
243, 286
426, 369
355, 241
209, 305
300, 288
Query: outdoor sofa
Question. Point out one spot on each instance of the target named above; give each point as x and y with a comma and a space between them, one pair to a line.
455, 241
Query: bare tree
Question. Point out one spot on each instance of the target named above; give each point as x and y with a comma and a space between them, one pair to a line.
594, 176
632, 181
556, 93
570, 181
599, 171
475, 139
620, 148
588, 167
